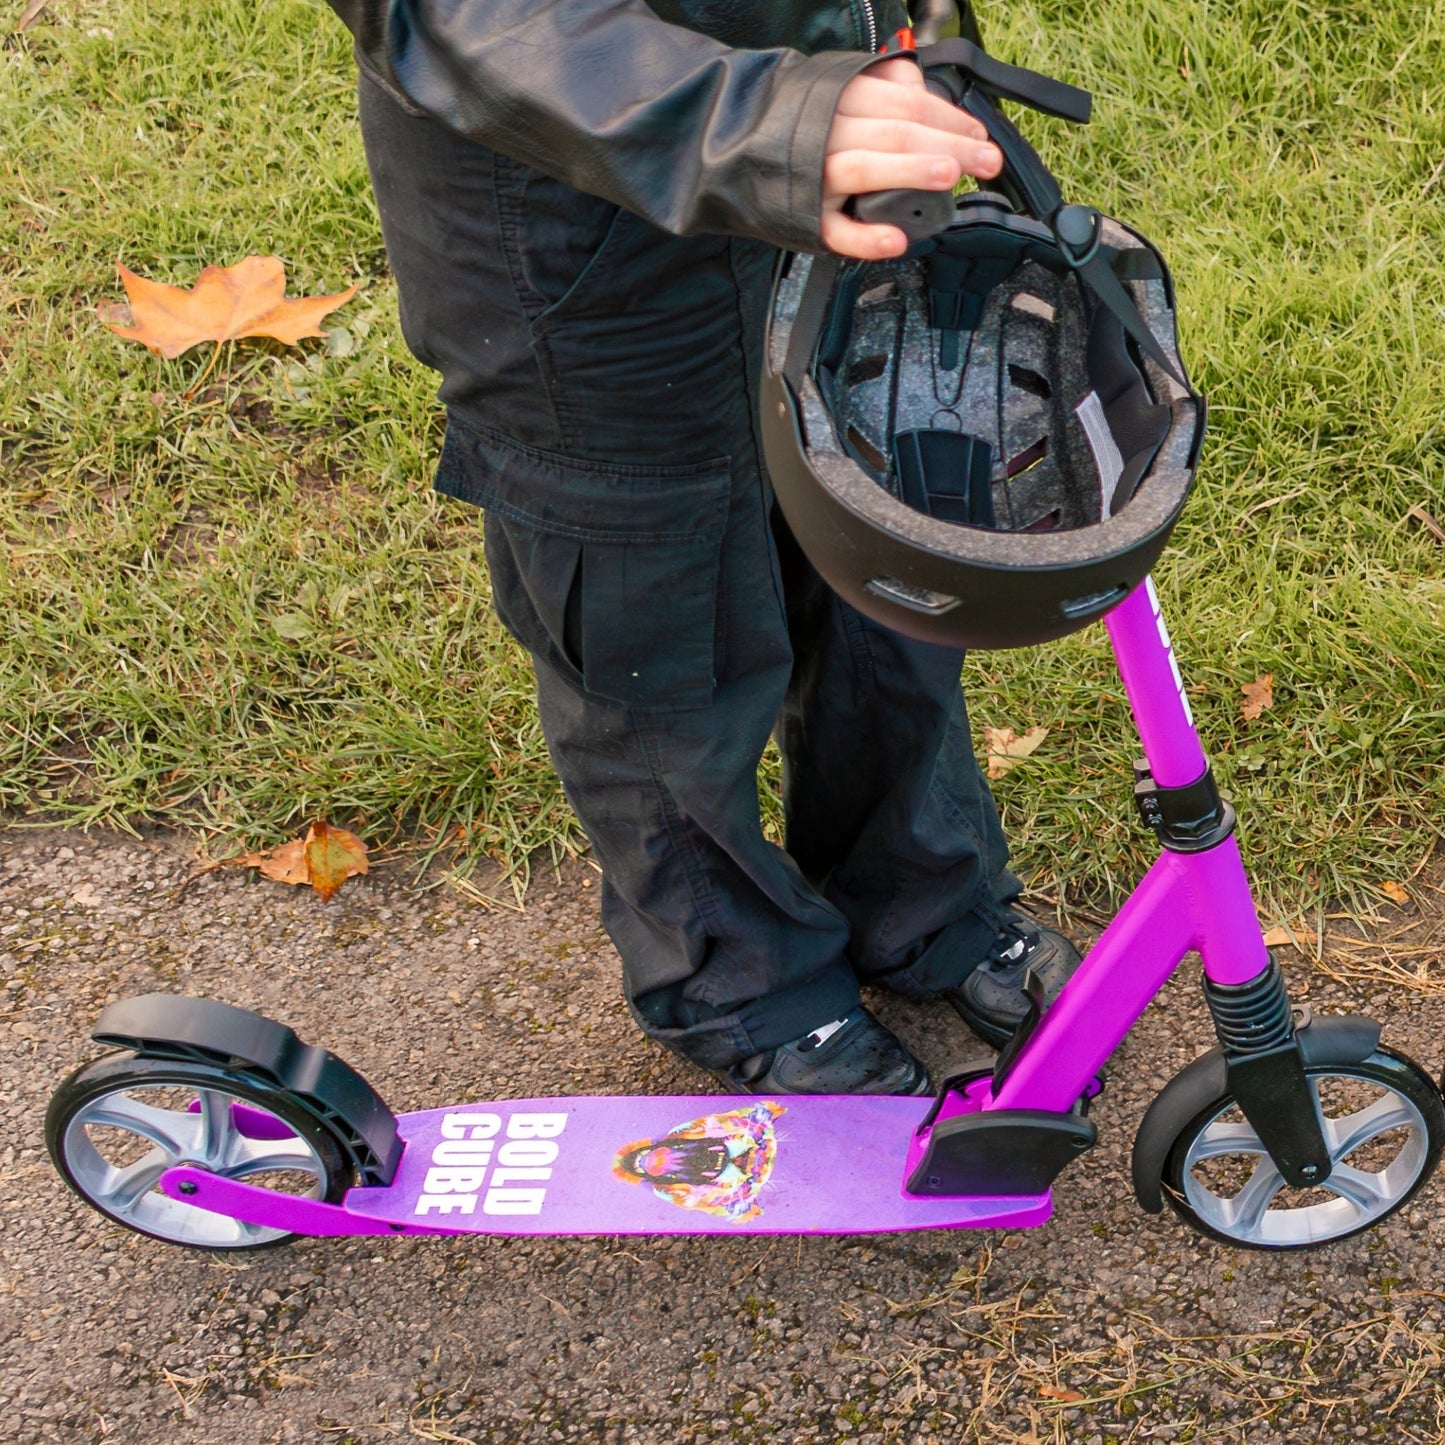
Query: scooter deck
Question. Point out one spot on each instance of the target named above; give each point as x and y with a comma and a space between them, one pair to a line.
692, 1164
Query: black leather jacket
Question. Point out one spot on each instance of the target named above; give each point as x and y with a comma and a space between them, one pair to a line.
699, 115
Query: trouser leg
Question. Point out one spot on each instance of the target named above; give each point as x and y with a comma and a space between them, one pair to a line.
662, 656
887, 809
726, 949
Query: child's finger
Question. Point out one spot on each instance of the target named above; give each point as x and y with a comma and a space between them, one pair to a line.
847, 237
851, 173
867, 96
897, 70
904, 137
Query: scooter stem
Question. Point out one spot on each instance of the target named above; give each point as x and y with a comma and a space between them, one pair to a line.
1155, 689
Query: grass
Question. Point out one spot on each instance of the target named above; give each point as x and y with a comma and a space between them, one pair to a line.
244, 609
239, 610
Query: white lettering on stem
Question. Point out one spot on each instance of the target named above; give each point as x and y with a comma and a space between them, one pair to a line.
1169, 647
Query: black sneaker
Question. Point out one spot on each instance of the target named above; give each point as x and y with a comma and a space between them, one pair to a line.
852, 1055
991, 1000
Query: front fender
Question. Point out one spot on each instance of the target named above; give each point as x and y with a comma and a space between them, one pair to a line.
1345, 1039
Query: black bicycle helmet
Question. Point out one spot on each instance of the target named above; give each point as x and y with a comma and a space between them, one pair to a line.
986, 442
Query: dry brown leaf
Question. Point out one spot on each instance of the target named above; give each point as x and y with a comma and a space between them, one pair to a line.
325, 858
1427, 522
226, 304
286, 863
1282, 937
33, 12
1258, 695
1007, 749
1395, 892
1053, 1392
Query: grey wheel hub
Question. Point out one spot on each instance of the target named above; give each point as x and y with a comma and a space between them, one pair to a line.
216, 1132
1359, 1192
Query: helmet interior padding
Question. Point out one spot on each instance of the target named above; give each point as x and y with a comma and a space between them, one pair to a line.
1092, 444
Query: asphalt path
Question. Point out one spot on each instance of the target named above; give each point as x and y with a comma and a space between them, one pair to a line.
1104, 1324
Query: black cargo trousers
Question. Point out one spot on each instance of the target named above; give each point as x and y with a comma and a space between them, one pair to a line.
600, 381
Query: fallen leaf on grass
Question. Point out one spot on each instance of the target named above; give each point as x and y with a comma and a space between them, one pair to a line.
1395, 892
33, 12
226, 304
1053, 1392
325, 858
1282, 937
1006, 749
1258, 695
1427, 522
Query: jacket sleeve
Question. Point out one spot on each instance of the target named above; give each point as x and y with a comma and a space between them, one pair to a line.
688, 132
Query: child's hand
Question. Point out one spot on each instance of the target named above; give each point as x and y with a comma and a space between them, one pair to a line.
888, 133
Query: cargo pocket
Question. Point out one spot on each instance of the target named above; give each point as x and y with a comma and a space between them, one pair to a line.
608, 572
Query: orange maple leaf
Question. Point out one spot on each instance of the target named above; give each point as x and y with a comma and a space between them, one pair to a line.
226, 304
325, 858
332, 855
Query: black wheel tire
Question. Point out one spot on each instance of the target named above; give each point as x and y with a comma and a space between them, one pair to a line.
1393, 1073
117, 1074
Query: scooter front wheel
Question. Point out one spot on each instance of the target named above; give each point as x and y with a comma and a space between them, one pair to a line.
115, 1126
1384, 1123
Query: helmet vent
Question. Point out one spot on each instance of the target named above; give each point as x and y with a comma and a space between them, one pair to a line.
866, 368
865, 449
1028, 458
1049, 522
1035, 306
1029, 381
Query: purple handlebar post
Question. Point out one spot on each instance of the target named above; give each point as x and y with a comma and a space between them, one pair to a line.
1187, 901
1210, 886
1155, 688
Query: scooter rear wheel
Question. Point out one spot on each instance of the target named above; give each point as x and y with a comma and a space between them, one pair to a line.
116, 1125
1384, 1123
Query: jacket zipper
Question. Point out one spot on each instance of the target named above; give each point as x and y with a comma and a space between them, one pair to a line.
870, 25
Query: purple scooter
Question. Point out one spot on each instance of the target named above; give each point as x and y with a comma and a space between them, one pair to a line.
217, 1128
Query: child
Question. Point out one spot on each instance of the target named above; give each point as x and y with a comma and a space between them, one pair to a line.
582, 202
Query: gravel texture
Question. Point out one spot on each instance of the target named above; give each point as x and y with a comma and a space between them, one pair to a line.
1105, 1324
